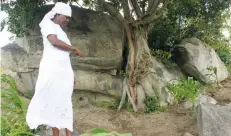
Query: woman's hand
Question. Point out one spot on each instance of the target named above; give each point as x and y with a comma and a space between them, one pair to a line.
78, 52
75, 83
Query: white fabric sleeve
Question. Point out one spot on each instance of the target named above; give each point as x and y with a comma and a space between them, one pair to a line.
48, 28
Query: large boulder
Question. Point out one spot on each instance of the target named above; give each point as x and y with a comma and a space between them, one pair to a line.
102, 45
15, 62
98, 82
214, 120
93, 86
14, 58
200, 61
100, 41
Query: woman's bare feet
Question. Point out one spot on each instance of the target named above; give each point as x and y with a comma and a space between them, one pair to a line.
68, 132
55, 131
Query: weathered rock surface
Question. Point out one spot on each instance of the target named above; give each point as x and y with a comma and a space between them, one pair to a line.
214, 120
196, 58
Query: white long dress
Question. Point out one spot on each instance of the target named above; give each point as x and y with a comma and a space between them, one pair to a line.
51, 104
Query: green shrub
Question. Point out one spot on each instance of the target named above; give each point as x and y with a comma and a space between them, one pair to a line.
186, 89
152, 105
106, 104
164, 57
13, 122
222, 49
161, 54
122, 73
213, 74
225, 55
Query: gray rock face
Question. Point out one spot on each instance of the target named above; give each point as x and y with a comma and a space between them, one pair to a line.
99, 83
100, 41
194, 58
162, 77
214, 120
19, 83
102, 44
14, 58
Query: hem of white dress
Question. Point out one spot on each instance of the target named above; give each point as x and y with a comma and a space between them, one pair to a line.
34, 126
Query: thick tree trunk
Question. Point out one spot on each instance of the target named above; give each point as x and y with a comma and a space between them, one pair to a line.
139, 68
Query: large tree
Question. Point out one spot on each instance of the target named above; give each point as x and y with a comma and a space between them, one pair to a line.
136, 16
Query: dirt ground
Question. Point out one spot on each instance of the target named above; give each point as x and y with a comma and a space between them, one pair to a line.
175, 121
223, 94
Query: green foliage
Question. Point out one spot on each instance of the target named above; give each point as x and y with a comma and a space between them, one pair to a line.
222, 49
103, 132
122, 73
182, 19
213, 74
2, 24
152, 105
213, 69
115, 104
188, 18
127, 105
22, 14
106, 104
229, 68
202, 19
164, 57
98, 130
161, 54
186, 89
13, 122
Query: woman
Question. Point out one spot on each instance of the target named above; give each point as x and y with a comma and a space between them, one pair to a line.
51, 104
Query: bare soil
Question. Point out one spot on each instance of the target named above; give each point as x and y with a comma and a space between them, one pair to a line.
175, 121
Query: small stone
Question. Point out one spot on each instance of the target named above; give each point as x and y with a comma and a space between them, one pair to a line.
113, 72
211, 100
204, 99
187, 134
187, 105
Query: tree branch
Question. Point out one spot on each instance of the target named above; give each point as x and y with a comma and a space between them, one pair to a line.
126, 10
152, 7
161, 11
149, 19
143, 5
150, 4
136, 7
112, 11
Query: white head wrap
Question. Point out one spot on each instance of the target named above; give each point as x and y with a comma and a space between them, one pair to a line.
59, 8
